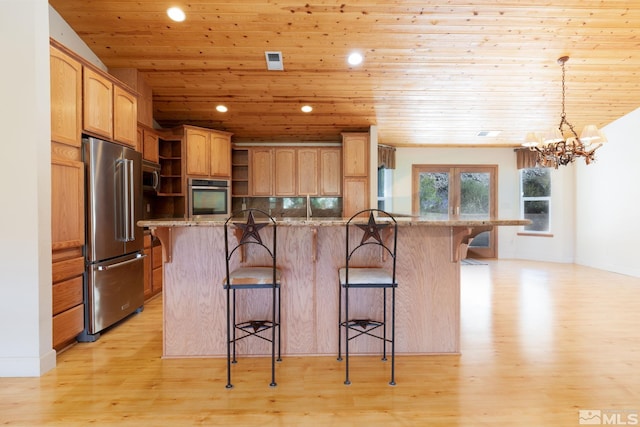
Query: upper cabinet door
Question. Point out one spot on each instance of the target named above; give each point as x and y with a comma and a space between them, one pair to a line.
98, 104
66, 99
125, 116
220, 161
197, 152
261, 171
330, 172
150, 146
355, 152
308, 171
285, 171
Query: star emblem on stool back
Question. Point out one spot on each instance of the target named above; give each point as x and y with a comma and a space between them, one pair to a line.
250, 229
371, 229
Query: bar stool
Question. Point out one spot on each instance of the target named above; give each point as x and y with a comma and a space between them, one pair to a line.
251, 234
362, 238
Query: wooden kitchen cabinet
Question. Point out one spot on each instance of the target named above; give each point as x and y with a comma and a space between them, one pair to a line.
355, 152
307, 174
66, 98
67, 203
355, 172
67, 197
330, 171
220, 154
208, 153
97, 104
261, 171
284, 172
152, 266
150, 144
355, 196
197, 152
109, 109
125, 116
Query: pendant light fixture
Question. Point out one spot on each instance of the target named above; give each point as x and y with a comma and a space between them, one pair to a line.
554, 149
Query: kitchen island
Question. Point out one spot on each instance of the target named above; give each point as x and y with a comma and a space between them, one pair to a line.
309, 255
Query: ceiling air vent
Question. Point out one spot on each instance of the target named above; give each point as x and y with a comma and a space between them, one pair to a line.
274, 61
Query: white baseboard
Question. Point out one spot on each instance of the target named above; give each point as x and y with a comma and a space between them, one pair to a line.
27, 366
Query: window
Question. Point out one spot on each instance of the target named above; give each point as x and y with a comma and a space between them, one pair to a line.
535, 200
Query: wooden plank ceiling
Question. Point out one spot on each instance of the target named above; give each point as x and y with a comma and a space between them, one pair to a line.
434, 72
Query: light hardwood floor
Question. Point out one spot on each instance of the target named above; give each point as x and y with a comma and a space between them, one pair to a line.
539, 343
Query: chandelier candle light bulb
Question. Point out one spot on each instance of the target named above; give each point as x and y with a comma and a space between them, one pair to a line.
554, 150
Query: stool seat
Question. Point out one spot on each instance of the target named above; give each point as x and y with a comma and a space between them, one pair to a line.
248, 277
368, 276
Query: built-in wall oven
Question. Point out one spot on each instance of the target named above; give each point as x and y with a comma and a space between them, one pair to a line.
209, 198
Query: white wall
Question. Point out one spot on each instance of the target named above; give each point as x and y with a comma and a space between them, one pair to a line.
63, 33
558, 248
25, 183
608, 201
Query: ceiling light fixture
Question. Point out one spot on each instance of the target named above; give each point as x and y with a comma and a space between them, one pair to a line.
355, 58
554, 149
221, 108
176, 14
306, 108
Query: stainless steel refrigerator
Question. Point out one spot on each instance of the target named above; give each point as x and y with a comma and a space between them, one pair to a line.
114, 246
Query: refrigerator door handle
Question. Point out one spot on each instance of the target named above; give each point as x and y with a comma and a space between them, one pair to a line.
131, 203
120, 264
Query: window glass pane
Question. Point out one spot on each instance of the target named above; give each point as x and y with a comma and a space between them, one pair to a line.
538, 212
536, 182
474, 194
434, 194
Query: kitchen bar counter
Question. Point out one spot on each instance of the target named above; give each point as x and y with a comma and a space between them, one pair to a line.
309, 255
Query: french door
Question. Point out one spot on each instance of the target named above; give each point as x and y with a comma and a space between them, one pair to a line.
458, 192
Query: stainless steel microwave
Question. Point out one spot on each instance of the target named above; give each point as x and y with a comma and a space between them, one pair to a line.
150, 176
209, 198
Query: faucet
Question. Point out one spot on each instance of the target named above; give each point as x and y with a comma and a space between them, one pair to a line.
309, 213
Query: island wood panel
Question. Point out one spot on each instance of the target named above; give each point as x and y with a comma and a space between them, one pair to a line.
427, 305
194, 307
427, 297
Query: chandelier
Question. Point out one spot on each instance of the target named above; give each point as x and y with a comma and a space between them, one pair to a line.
553, 149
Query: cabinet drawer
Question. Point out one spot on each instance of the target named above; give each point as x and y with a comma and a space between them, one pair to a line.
67, 325
67, 294
66, 269
157, 257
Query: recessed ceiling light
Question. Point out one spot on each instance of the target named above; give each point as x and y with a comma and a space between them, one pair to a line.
222, 108
355, 58
176, 14
307, 108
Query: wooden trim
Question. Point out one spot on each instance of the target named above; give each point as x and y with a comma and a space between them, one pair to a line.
535, 234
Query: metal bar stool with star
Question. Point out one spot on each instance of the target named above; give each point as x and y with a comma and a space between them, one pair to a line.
367, 243
250, 251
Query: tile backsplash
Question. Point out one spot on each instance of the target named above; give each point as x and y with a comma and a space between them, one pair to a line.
291, 207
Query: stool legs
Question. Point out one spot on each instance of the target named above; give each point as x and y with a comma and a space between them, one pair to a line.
393, 336
229, 385
343, 323
232, 337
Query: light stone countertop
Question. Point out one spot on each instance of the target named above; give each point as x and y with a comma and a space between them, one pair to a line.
332, 221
